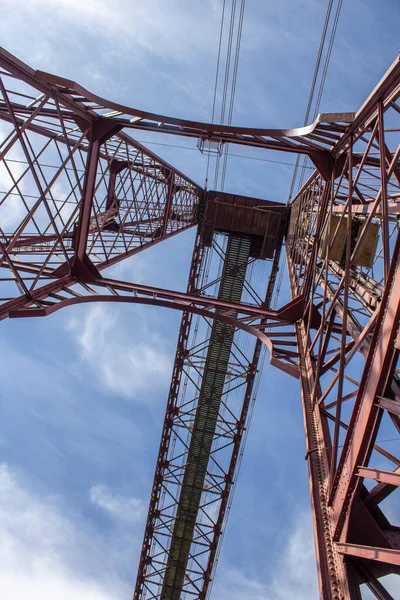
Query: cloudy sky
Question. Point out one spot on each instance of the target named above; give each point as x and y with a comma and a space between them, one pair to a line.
82, 392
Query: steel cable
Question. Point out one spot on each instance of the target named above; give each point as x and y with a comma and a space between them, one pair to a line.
314, 81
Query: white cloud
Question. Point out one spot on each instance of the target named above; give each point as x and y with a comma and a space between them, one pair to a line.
46, 584
120, 507
291, 570
48, 552
126, 357
165, 29
67, 426
296, 573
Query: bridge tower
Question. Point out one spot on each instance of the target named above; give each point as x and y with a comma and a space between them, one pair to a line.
82, 195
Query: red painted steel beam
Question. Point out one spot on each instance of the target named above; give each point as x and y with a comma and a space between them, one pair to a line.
290, 312
97, 134
376, 377
287, 140
201, 306
367, 328
314, 140
389, 556
393, 208
332, 580
387, 90
392, 406
380, 475
382, 490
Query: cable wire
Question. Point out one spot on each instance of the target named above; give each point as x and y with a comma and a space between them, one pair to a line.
323, 78
314, 81
233, 87
216, 81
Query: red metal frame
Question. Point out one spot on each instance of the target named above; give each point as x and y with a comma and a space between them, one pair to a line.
117, 197
83, 195
182, 406
349, 363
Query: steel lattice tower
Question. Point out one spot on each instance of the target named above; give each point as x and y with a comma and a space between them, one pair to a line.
88, 195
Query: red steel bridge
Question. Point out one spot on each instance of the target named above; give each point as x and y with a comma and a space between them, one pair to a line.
81, 195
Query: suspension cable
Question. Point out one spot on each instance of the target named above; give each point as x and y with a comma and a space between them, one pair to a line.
216, 80
226, 81
315, 78
233, 87
323, 78
234, 25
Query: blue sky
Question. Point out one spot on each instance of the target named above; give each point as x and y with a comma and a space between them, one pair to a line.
82, 392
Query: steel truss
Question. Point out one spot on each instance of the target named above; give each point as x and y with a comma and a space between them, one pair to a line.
349, 362
212, 390
82, 195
